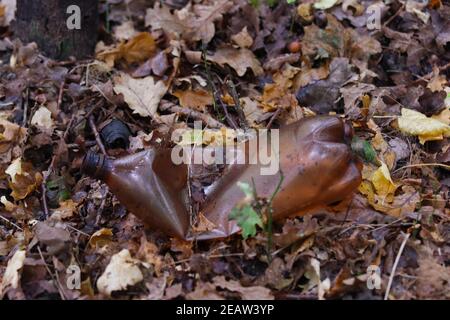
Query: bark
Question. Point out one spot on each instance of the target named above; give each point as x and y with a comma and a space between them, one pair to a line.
45, 22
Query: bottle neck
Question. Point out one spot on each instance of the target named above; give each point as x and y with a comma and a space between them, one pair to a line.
95, 165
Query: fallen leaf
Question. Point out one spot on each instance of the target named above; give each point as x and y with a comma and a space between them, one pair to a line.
382, 181
101, 238
125, 31
121, 272
247, 293
197, 99
141, 95
65, 210
252, 111
12, 274
428, 129
239, 59
324, 4
242, 39
138, 49
42, 118
23, 179
10, 134
193, 26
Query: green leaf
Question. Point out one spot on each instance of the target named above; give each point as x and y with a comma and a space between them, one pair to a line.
365, 150
291, 1
247, 219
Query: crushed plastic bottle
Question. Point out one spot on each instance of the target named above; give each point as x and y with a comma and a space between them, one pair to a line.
315, 158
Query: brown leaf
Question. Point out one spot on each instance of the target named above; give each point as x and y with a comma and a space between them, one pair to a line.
137, 49
197, 99
239, 59
141, 95
247, 293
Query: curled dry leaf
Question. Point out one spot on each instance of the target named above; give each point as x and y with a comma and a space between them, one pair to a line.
121, 272
193, 26
428, 129
12, 274
137, 49
243, 38
23, 179
247, 293
10, 134
239, 59
42, 118
65, 210
101, 237
197, 99
141, 95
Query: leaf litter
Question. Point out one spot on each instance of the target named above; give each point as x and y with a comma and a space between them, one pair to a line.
230, 65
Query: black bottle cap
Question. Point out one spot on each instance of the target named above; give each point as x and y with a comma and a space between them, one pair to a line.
94, 165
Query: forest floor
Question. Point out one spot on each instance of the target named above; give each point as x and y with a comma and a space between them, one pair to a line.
382, 65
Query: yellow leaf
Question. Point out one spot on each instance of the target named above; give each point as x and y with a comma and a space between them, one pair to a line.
101, 238
121, 272
415, 123
382, 181
11, 277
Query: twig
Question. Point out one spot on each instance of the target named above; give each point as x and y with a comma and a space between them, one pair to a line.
97, 136
206, 119
25, 108
60, 94
393, 16
394, 267
57, 283
270, 217
423, 165
10, 222
272, 119
43, 185
237, 104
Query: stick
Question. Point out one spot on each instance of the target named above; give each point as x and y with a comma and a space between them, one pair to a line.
206, 119
394, 267
97, 136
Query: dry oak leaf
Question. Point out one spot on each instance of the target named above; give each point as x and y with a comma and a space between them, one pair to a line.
65, 210
141, 95
252, 111
100, 238
12, 275
239, 59
23, 180
195, 26
196, 99
121, 272
138, 49
247, 293
42, 118
10, 134
415, 123
243, 39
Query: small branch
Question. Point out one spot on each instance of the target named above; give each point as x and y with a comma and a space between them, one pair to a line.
237, 104
97, 136
418, 165
270, 216
60, 94
272, 119
206, 119
10, 222
57, 283
25, 108
394, 267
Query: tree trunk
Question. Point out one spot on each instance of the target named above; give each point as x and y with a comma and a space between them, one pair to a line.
57, 28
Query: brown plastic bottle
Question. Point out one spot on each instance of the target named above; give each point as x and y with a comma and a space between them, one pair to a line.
318, 167
149, 185
315, 157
